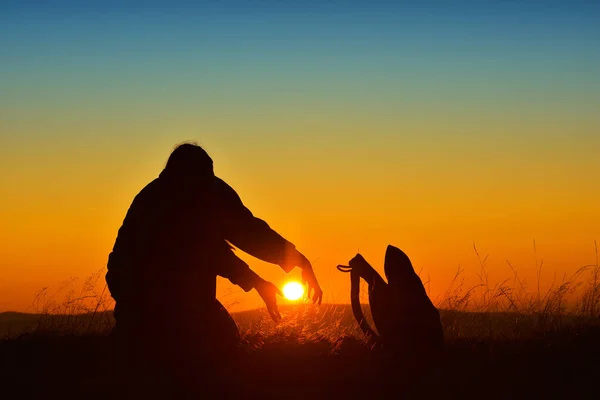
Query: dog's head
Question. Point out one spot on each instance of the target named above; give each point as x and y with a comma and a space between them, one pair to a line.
357, 262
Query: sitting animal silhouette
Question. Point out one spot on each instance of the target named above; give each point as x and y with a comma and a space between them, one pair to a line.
407, 322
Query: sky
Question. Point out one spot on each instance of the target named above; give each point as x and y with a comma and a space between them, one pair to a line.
346, 125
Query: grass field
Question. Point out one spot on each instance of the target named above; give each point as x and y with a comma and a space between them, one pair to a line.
501, 342
317, 352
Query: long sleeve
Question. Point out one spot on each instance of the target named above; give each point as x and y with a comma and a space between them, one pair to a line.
238, 272
252, 234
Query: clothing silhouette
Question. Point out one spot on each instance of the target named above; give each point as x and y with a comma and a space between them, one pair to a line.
174, 241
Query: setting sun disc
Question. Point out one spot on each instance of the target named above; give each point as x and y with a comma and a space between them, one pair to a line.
293, 290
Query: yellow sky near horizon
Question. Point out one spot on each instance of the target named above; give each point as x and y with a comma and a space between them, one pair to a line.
63, 201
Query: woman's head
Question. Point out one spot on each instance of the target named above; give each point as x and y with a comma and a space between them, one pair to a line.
189, 160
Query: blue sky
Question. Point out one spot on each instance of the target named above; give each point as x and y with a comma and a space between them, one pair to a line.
245, 51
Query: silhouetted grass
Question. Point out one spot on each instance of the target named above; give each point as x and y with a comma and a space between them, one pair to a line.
505, 309
502, 341
294, 363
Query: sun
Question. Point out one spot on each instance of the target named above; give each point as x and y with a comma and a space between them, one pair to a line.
293, 290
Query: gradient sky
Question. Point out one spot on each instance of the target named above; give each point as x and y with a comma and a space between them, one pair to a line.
347, 126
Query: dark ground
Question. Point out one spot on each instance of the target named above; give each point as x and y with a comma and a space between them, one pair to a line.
561, 363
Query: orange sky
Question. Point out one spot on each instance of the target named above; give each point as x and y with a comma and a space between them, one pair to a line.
345, 131
61, 211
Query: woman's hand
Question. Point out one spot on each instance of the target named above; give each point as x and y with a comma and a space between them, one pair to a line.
310, 279
268, 292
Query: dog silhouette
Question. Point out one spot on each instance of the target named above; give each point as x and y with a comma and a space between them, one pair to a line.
407, 323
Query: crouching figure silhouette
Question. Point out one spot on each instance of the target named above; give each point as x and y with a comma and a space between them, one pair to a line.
173, 243
408, 323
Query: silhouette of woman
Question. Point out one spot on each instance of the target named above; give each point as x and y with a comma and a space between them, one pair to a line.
172, 245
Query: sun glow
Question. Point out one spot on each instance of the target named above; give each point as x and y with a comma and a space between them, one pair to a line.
293, 290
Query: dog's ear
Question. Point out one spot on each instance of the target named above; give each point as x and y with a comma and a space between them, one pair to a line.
397, 266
